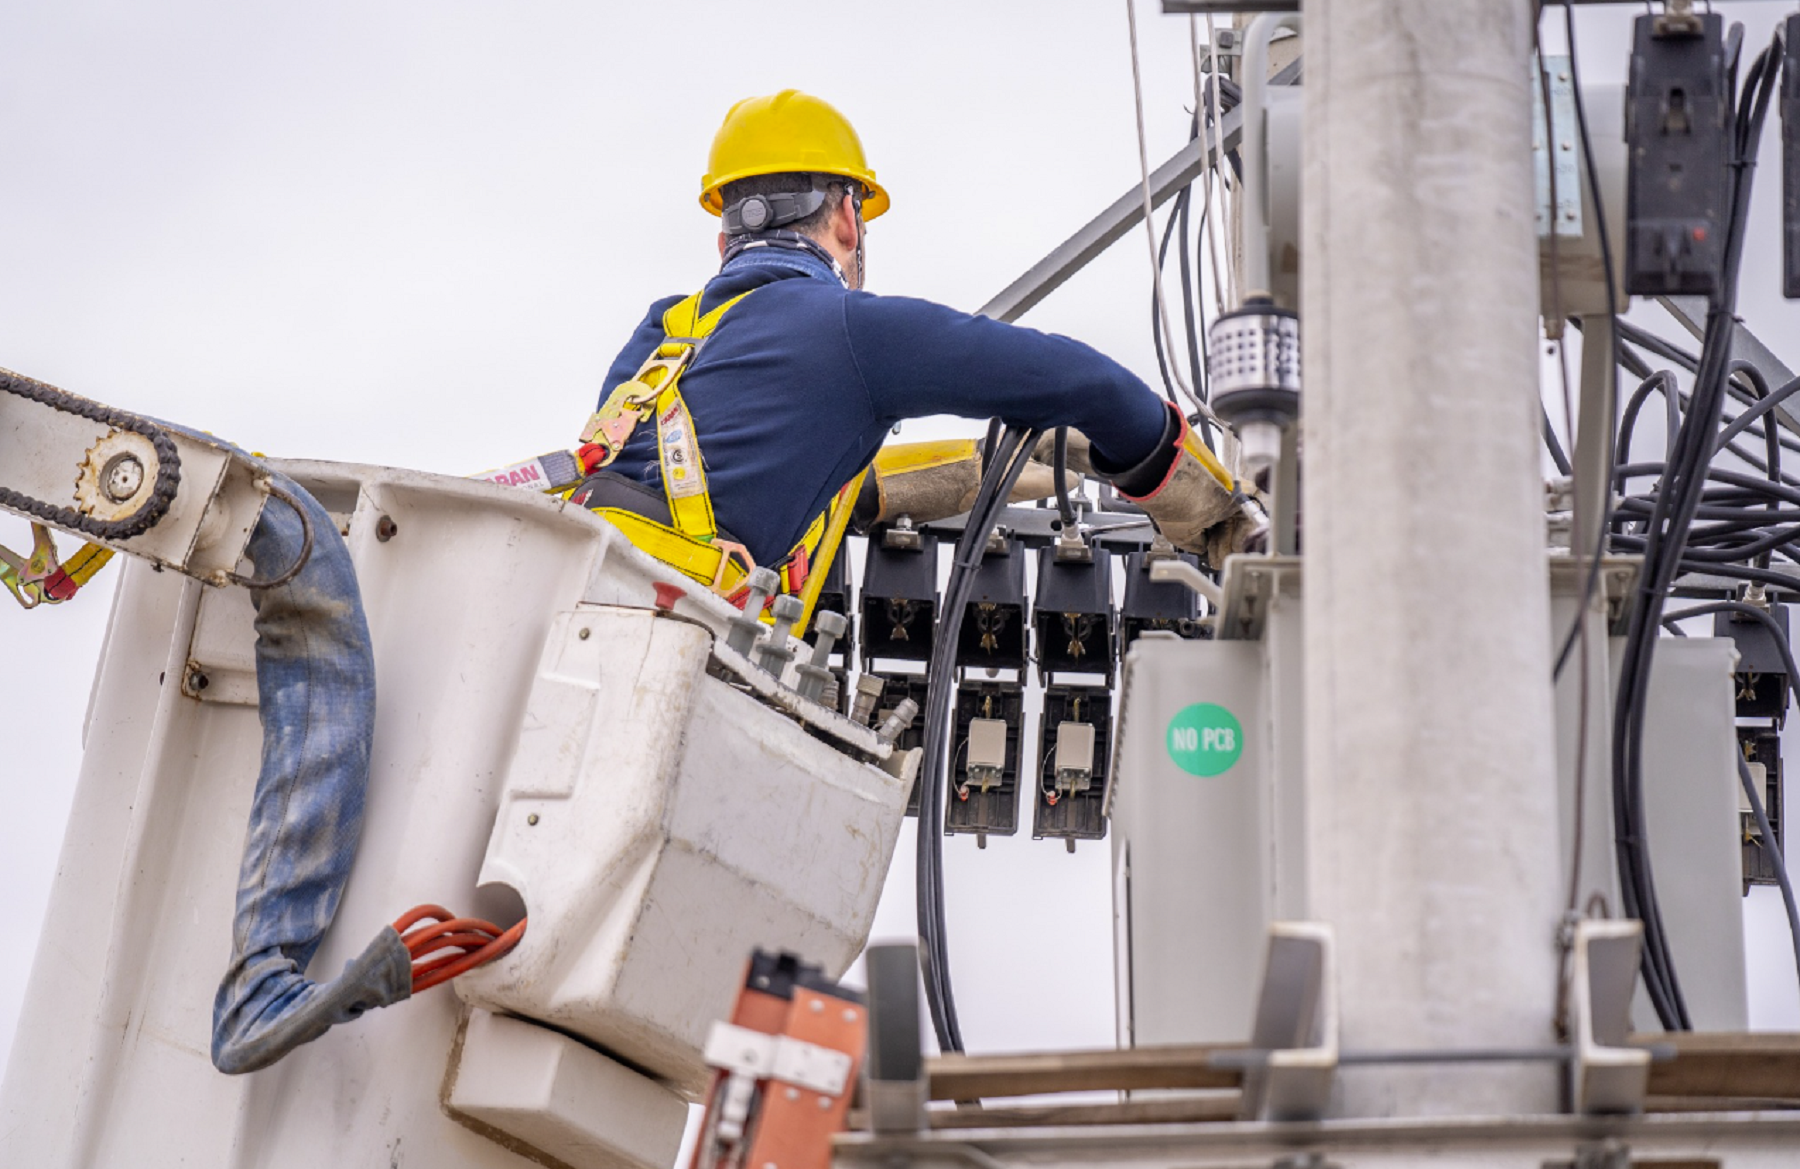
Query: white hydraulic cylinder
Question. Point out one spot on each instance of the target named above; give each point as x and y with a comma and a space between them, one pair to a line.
1430, 778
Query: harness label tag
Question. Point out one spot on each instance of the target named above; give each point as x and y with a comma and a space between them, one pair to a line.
680, 457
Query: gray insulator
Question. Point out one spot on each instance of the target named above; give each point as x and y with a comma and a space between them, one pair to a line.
814, 674
812, 681
827, 628
745, 629
772, 653
868, 693
898, 721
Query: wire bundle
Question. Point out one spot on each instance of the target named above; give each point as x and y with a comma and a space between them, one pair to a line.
1011, 450
447, 945
1662, 528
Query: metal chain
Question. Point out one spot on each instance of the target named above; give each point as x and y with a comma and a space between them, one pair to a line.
162, 492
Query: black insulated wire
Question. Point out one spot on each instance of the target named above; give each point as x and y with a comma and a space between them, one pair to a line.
1059, 467
1664, 540
1012, 450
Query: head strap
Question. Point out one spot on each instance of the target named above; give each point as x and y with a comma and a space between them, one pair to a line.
762, 212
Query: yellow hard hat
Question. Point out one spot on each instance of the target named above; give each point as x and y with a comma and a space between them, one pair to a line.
791, 132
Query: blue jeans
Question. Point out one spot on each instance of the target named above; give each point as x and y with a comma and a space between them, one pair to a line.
315, 676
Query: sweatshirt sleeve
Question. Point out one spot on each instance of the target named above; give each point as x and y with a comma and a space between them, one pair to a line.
644, 338
918, 358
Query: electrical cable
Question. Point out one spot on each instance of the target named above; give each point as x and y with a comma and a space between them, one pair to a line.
1767, 402
1137, 91
1163, 358
1012, 451
1192, 327
1664, 538
1774, 853
1555, 448
1226, 287
470, 942
1059, 468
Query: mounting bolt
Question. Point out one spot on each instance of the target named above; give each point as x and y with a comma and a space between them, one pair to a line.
386, 529
532, 819
772, 652
828, 627
746, 627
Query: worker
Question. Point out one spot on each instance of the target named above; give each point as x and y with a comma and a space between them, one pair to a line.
788, 375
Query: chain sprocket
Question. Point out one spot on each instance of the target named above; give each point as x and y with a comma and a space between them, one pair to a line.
165, 475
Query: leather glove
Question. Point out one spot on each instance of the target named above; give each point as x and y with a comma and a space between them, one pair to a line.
1182, 494
935, 480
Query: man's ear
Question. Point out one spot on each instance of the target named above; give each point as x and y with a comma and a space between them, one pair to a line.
722, 238
843, 224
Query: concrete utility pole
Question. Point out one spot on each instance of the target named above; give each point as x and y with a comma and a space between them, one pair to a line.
1430, 777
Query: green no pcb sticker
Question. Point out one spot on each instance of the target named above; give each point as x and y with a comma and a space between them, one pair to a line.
1205, 739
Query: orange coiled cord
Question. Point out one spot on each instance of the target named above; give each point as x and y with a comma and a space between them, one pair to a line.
470, 941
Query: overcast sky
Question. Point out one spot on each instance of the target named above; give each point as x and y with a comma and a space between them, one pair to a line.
415, 233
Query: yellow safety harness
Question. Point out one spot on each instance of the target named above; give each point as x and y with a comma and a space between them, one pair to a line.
691, 544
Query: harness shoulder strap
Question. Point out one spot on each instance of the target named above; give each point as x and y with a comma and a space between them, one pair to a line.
677, 446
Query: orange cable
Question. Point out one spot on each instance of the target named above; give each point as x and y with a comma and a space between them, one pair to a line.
498, 948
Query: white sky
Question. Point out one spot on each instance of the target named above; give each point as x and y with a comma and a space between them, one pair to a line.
415, 233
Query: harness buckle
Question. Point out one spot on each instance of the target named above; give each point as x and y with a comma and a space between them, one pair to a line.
729, 550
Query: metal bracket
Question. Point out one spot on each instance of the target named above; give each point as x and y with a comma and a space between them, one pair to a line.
1605, 1075
757, 1055
1249, 583
1618, 576
1296, 1027
1182, 573
1556, 154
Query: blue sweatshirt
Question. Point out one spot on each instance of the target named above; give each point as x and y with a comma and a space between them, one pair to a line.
801, 381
